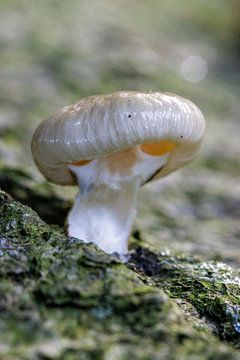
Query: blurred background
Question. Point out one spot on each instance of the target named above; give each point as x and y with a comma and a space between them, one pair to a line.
53, 52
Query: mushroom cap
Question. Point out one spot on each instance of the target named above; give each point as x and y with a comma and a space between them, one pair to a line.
103, 124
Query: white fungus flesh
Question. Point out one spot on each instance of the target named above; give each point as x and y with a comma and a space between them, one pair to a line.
110, 146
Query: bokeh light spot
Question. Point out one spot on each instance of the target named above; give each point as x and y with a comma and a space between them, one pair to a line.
194, 69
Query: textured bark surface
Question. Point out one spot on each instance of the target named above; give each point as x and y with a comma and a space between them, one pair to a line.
62, 299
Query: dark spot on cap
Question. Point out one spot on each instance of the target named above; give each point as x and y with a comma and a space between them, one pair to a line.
129, 116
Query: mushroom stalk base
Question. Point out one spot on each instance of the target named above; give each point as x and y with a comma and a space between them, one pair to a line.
104, 215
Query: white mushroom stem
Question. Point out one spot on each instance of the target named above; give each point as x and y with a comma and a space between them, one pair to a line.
104, 215
105, 207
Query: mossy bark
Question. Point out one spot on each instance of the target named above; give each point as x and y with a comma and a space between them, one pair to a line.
63, 299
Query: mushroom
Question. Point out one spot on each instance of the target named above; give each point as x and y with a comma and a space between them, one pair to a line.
111, 145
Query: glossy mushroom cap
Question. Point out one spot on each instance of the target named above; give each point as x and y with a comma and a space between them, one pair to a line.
103, 124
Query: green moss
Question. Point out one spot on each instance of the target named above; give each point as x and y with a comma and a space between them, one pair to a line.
63, 299
212, 288
17, 220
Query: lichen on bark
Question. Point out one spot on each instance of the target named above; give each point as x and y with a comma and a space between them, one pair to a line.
63, 299
212, 288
